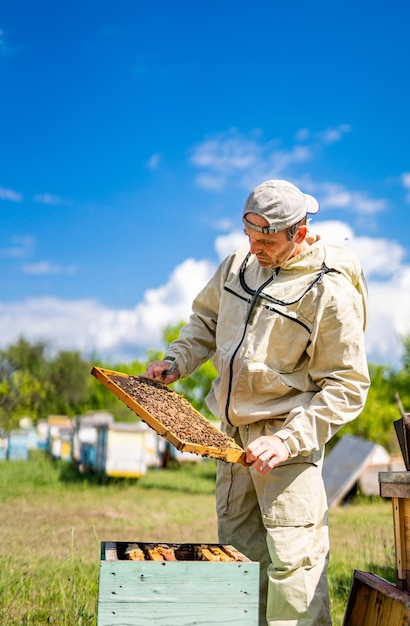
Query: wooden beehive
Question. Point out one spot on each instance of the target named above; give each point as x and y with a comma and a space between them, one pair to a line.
171, 416
375, 602
176, 585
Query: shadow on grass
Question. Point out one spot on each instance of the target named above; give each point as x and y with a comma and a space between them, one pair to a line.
188, 477
70, 473
387, 572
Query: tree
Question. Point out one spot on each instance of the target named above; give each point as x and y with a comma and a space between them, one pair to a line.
21, 394
26, 356
34, 383
195, 387
400, 380
23, 382
67, 384
102, 399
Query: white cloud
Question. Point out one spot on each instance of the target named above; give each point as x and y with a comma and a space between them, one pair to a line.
91, 327
48, 198
125, 334
225, 224
389, 322
379, 257
245, 161
328, 136
405, 179
226, 153
223, 157
45, 267
276, 163
20, 247
154, 161
10, 194
331, 135
335, 196
225, 244
211, 182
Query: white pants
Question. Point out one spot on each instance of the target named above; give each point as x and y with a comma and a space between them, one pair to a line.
279, 520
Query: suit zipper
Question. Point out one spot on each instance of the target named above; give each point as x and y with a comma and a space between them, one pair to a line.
247, 321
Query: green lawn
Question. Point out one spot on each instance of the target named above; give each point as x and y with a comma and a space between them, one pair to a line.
52, 523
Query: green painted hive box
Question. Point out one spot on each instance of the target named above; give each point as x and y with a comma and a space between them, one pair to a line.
141, 584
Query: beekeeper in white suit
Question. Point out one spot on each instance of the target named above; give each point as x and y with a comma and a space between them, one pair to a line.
283, 321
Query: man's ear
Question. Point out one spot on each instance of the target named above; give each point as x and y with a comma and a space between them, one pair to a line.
301, 233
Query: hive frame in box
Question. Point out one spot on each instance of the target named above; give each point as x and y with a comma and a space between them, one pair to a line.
232, 454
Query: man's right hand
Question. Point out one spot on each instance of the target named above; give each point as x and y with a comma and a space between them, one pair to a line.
266, 452
157, 371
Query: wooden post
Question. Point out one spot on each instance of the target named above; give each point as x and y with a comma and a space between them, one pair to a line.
396, 485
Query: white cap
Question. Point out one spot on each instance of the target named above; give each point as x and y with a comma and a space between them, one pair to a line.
281, 203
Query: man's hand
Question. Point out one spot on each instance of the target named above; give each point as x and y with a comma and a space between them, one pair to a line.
156, 371
265, 453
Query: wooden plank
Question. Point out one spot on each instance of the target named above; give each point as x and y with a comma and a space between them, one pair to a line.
383, 586
394, 490
233, 453
389, 614
238, 556
110, 553
396, 478
357, 606
370, 617
399, 538
401, 522
401, 517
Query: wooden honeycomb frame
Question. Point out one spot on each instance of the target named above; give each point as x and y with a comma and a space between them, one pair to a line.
231, 452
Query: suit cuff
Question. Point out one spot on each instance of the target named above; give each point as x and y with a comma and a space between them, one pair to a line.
289, 440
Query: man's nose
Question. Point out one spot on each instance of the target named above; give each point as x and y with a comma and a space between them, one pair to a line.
255, 247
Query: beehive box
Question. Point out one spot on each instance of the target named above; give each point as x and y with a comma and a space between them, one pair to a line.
171, 416
374, 601
141, 584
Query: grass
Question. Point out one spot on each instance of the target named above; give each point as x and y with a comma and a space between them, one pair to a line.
361, 537
52, 523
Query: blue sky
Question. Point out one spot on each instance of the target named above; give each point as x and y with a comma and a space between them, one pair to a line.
132, 132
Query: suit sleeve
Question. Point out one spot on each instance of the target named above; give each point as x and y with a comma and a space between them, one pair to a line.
338, 367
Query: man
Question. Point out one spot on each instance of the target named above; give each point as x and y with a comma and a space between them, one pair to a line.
283, 321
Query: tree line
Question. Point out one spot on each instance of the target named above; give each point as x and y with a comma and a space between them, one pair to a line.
36, 383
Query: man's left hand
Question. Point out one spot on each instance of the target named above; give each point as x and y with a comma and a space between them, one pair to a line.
266, 452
